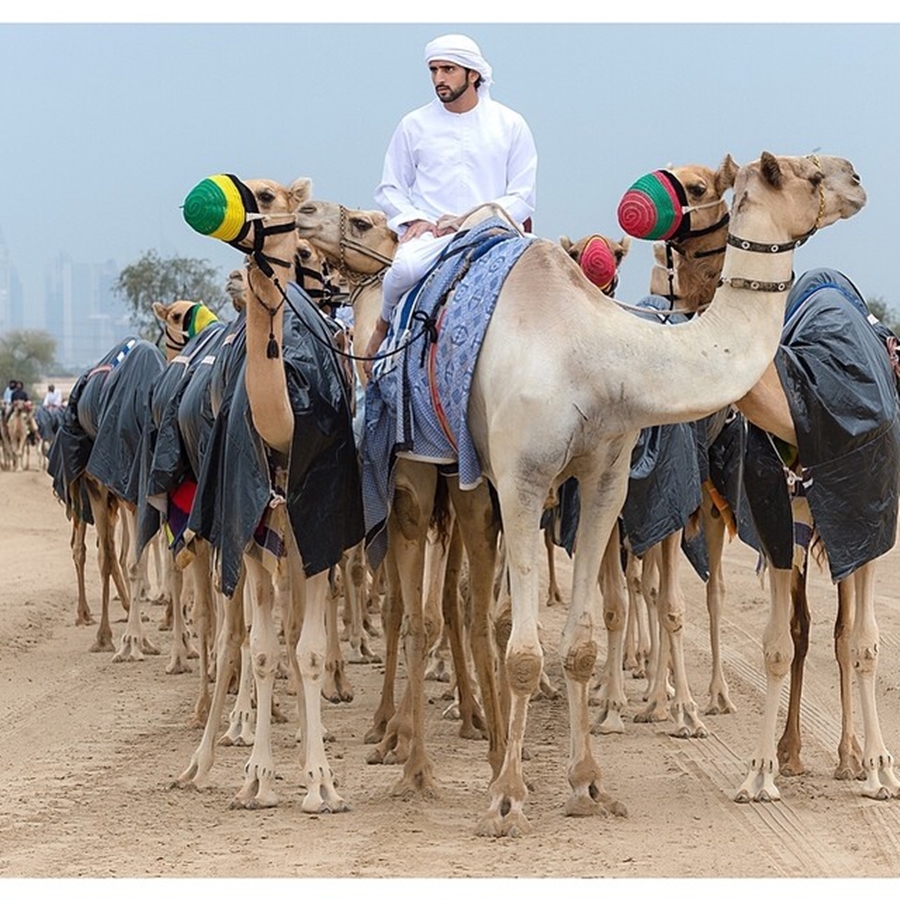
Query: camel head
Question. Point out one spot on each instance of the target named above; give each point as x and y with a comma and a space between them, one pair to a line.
599, 258
181, 320
255, 216
810, 192
354, 241
236, 288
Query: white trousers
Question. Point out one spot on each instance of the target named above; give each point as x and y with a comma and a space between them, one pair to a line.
411, 261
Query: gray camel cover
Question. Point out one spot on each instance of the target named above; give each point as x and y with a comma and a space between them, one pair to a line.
103, 422
166, 453
835, 366
237, 480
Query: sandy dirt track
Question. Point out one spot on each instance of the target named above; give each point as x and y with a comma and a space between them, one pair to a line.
90, 748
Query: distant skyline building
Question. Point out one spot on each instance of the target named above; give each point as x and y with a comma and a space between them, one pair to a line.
11, 305
81, 310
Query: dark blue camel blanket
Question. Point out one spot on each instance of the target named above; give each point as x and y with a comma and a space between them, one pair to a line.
320, 482
836, 370
103, 423
417, 402
166, 457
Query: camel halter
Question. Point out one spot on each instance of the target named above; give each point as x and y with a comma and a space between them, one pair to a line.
223, 207
757, 247
198, 316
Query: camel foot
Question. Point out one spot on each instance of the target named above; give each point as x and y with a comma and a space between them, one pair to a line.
720, 704
336, 688
653, 712
178, 667
417, 784
609, 722
759, 785
323, 800
582, 804
103, 645
376, 733
513, 824
437, 670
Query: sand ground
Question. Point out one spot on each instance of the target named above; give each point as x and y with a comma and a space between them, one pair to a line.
90, 748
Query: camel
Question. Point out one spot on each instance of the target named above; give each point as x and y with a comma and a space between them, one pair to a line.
266, 211
687, 271
93, 466
21, 426
358, 246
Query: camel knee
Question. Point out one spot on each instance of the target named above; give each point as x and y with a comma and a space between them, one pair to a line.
615, 617
523, 668
579, 661
865, 658
778, 657
311, 663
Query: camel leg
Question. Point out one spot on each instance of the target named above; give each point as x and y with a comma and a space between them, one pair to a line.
790, 744
878, 764
849, 765
658, 691
554, 595
356, 601
241, 729
778, 650
671, 614
79, 558
231, 637
313, 596
479, 529
714, 529
101, 509
407, 529
392, 618
135, 644
472, 724
600, 505
637, 637
336, 687
258, 789
613, 700
199, 571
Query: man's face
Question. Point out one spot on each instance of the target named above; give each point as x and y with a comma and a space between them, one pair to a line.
450, 80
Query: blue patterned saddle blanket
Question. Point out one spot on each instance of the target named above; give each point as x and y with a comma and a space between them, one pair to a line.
417, 403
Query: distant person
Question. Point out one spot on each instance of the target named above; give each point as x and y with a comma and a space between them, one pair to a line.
461, 150
19, 393
53, 398
8, 391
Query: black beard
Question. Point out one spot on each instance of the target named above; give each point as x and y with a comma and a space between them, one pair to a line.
453, 95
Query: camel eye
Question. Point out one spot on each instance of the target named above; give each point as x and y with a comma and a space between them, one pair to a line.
696, 190
266, 198
361, 224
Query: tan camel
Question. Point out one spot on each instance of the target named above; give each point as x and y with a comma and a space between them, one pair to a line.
271, 251
358, 245
21, 425
687, 271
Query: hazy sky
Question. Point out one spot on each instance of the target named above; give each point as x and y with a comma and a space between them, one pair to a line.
108, 125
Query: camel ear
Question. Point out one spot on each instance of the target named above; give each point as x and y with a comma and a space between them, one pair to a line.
624, 247
770, 169
725, 176
161, 312
565, 243
301, 190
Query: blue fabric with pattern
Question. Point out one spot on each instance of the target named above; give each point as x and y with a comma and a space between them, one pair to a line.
400, 415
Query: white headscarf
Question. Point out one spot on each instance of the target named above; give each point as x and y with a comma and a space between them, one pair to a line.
462, 50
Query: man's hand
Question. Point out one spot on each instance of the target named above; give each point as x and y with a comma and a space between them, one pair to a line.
417, 228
